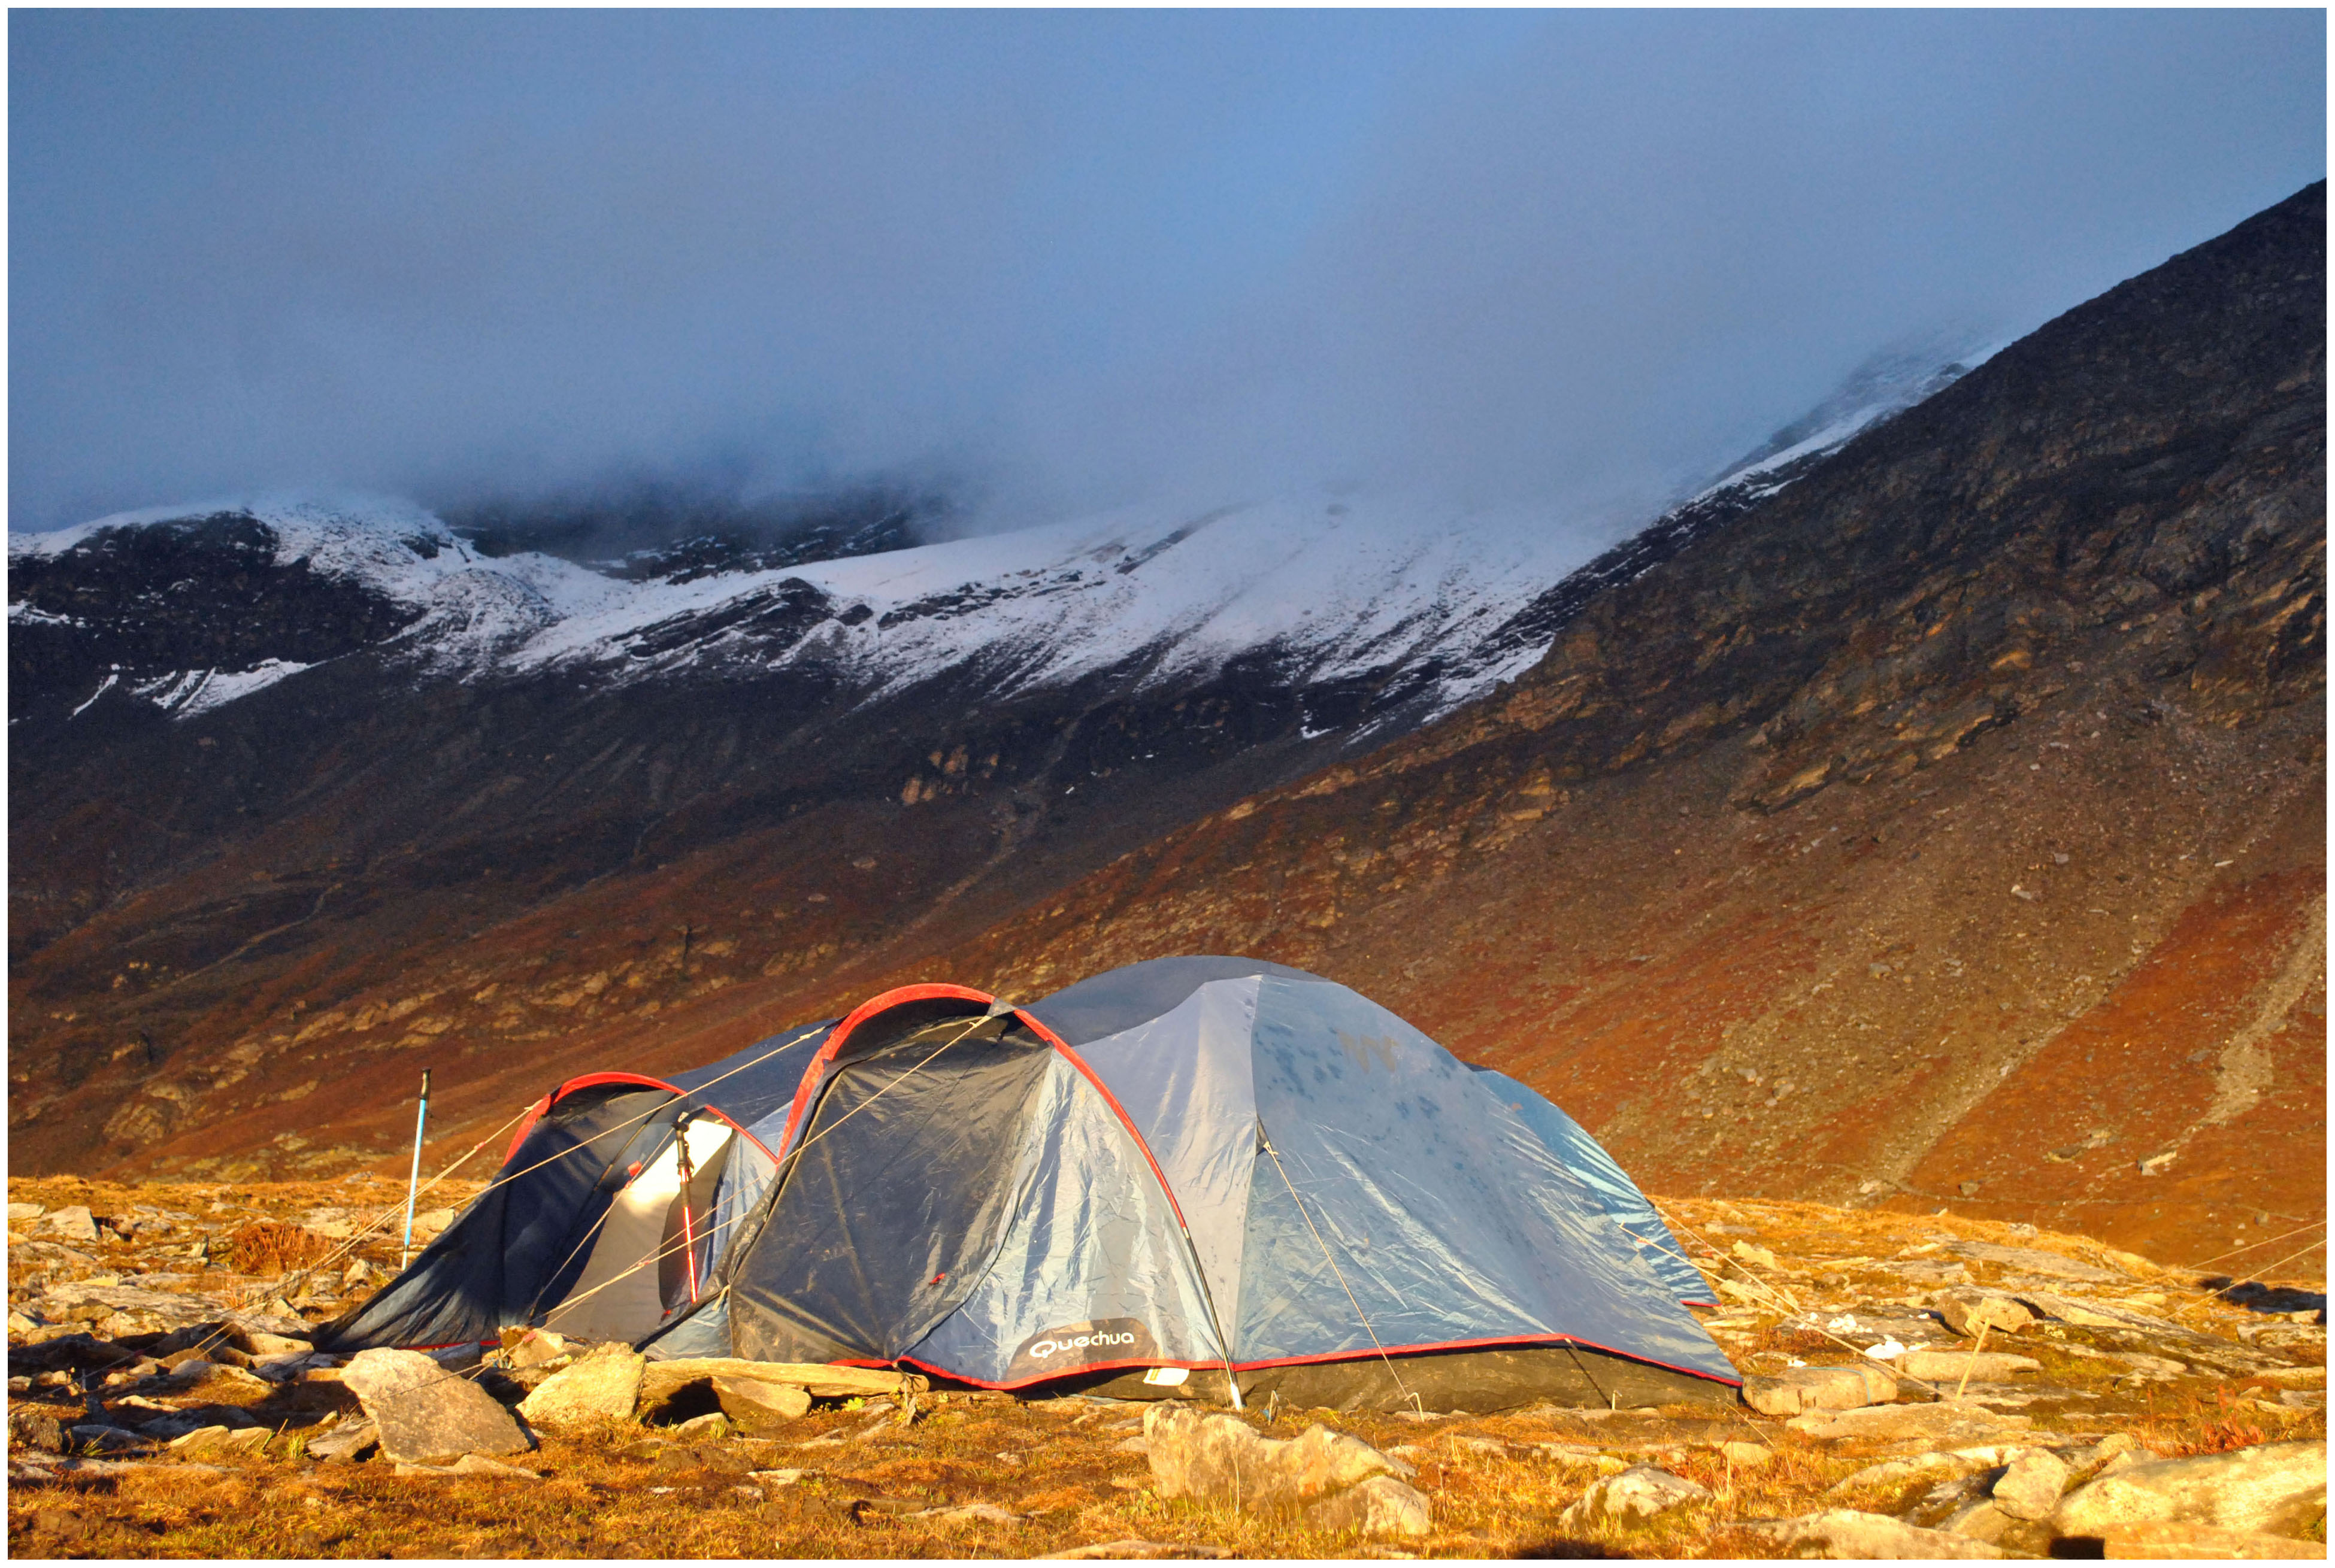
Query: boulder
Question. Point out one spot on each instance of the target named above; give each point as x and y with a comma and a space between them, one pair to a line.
1953, 1366
74, 1222
605, 1385
1380, 1506
2191, 1543
1968, 1310
1802, 1389
759, 1407
2031, 1487
426, 1414
1947, 1421
1638, 1493
1843, 1533
2274, 1489
1217, 1458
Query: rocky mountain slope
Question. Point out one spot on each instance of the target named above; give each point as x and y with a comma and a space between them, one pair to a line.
301, 788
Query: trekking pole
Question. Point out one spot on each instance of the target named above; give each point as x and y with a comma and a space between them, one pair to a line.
413, 1180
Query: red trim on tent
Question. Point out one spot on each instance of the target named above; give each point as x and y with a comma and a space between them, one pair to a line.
592, 1079
816, 1068
534, 1113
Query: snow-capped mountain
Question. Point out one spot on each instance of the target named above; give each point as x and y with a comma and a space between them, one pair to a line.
1392, 612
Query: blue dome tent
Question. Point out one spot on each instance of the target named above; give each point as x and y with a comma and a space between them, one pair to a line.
1205, 1176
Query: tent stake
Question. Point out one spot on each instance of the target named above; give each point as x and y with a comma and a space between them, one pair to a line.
414, 1178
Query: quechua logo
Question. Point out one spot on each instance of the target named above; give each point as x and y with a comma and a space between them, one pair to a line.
1066, 1349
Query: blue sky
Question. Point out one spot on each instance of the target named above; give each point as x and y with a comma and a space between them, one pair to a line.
1052, 260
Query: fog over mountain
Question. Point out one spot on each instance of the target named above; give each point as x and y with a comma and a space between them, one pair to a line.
1041, 263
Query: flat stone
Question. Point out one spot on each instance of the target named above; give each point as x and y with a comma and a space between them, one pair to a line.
2273, 1489
2036, 1261
74, 1222
219, 1442
480, 1465
26, 1212
1746, 1456
1638, 1493
1216, 1459
1380, 1506
2031, 1487
1953, 1366
711, 1427
662, 1379
426, 1414
349, 1440
1949, 1420
760, 1409
534, 1347
1803, 1389
1966, 1311
1843, 1533
2163, 1541
969, 1514
605, 1386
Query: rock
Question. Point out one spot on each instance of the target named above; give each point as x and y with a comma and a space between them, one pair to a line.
480, 1465
1751, 1253
349, 1440
39, 1426
259, 1342
1790, 1393
605, 1385
2192, 1543
356, 1273
426, 1414
1947, 1421
1746, 1456
74, 1222
1966, 1311
1979, 1521
1953, 1366
1380, 1506
707, 1428
1216, 1459
2274, 1489
1640, 1492
26, 1212
969, 1514
758, 1408
1843, 1533
104, 1438
2030, 1489
534, 1347
217, 1380
2036, 1261
662, 1379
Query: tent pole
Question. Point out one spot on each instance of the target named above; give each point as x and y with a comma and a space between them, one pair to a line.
414, 1178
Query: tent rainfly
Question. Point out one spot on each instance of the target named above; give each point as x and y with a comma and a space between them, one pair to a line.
1209, 1177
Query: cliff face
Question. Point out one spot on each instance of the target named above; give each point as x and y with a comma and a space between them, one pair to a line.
1943, 829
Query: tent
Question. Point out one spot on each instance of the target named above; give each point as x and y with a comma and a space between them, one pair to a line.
1208, 1177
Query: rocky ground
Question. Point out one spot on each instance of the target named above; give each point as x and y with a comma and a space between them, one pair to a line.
164, 1401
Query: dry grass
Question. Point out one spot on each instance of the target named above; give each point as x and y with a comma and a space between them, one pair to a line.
269, 1249
1069, 1485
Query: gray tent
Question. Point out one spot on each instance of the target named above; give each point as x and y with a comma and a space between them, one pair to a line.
1200, 1176
1192, 1168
